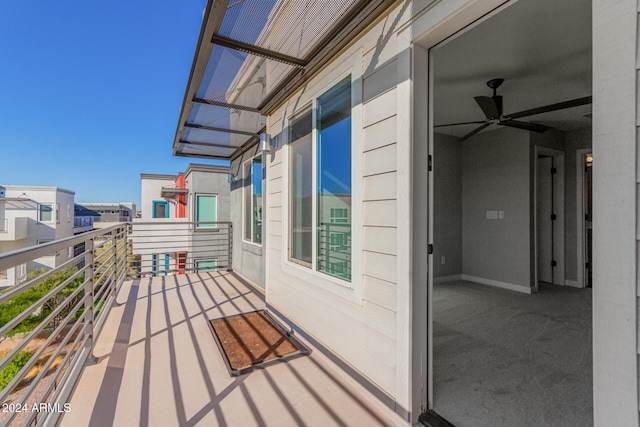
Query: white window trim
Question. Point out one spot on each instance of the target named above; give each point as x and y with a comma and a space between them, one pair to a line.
195, 211
351, 291
244, 208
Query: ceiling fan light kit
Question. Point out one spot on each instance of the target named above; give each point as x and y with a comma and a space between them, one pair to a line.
491, 106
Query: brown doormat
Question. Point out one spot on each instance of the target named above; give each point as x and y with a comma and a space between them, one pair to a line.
253, 340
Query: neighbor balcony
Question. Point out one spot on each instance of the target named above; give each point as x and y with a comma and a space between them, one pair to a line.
128, 343
15, 228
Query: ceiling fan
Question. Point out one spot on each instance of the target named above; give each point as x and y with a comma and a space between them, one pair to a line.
492, 108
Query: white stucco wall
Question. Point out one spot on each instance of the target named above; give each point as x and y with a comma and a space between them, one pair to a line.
24, 228
151, 190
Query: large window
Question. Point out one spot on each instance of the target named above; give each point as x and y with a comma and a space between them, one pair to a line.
330, 221
45, 212
334, 181
206, 210
253, 200
301, 191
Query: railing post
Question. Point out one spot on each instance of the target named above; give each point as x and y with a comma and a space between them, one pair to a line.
229, 247
114, 256
88, 295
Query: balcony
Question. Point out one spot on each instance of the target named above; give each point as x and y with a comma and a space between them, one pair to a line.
82, 224
129, 344
15, 228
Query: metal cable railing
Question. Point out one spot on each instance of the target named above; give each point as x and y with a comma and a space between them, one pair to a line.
165, 247
49, 322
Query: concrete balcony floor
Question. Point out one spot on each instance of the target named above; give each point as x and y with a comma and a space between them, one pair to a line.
158, 365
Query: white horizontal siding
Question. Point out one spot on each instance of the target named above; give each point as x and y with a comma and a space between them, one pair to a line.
380, 239
380, 108
381, 213
380, 292
384, 132
379, 187
362, 333
380, 266
381, 160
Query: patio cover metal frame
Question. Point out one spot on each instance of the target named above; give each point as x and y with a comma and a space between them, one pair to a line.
343, 30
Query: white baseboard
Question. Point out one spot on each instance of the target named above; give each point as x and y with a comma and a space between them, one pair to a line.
497, 284
572, 283
445, 279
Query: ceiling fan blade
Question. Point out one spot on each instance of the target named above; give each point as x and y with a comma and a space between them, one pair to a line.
552, 107
489, 106
473, 132
533, 127
457, 124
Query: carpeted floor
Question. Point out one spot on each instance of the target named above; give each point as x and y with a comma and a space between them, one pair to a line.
503, 358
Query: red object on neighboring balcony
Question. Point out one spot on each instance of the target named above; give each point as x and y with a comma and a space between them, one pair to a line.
181, 206
182, 262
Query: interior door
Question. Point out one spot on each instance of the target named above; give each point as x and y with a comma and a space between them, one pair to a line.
544, 211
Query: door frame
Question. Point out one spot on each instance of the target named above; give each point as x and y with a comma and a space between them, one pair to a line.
559, 225
581, 243
415, 143
615, 311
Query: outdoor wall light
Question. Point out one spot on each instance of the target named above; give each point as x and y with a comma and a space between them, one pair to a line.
265, 143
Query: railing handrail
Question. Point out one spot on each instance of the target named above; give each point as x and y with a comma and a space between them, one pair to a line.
176, 221
21, 256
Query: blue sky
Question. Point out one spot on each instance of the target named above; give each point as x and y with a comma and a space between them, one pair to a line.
90, 92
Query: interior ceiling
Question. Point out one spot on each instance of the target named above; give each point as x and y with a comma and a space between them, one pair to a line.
542, 48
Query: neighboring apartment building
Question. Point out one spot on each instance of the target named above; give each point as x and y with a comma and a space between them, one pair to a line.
29, 216
188, 204
384, 106
105, 214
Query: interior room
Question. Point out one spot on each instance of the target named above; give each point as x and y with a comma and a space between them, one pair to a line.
511, 306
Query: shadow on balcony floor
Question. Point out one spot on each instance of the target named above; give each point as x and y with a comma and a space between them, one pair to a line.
158, 364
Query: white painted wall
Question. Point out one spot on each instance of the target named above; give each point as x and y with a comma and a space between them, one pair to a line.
151, 190
24, 228
496, 178
615, 188
367, 322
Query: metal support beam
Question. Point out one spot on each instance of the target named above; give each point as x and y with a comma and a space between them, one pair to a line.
240, 132
225, 105
209, 144
257, 50
212, 20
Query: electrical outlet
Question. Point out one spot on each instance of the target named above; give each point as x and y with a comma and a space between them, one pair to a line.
442, 260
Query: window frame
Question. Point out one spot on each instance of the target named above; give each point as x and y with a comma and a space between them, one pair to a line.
167, 208
52, 212
300, 268
247, 166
